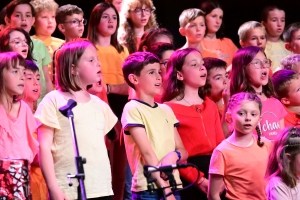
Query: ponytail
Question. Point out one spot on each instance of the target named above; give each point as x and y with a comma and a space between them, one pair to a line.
259, 142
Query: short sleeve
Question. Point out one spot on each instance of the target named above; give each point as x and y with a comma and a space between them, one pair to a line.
46, 112
282, 111
47, 59
110, 118
171, 115
217, 163
277, 190
131, 117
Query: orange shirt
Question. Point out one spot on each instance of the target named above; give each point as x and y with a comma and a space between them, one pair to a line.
292, 119
200, 131
223, 48
243, 169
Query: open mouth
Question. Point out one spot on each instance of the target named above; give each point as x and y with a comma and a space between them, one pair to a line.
24, 50
203, 76
247, 125
158, 84
35, 90
110, 26
99, 83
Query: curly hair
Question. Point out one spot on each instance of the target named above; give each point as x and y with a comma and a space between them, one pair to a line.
126, 34
44, 5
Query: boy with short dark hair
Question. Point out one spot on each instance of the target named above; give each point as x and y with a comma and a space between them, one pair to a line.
70, 21
291, 38
286, 85
151, 137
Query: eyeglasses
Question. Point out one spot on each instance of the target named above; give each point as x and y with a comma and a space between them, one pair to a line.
164, 63
145, 11
258, 64
76, 22
19, 43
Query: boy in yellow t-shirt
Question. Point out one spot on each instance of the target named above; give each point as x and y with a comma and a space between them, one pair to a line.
151, 137
45, 25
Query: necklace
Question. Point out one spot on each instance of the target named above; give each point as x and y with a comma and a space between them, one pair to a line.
259, 93
198, 110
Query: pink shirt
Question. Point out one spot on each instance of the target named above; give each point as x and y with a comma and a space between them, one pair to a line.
16, 139
272, 112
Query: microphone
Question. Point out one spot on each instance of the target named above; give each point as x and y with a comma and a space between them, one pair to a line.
65, 109
150, 169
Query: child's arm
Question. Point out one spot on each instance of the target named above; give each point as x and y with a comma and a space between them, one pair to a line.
49, 86
215, 186
45, 138
119, 89
139, 136
281, 122
172, 157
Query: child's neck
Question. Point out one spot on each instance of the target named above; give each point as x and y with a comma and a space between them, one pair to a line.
211, 36
30, 104
273, 38
139, 31
42, 36
259, 92
191, 95
196, 45
241, 139
218, 102
294, 109
69, 39
81, 96
103, 41
145, 98
12, 108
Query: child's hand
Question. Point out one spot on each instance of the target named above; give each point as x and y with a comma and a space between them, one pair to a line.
57, 194
203, 185
171, 197
226, 95
170, 159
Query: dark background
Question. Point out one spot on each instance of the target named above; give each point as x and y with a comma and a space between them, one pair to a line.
236, 12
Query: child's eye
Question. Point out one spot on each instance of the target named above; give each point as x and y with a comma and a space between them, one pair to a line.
28, 15
115, 18
105, 16
241, 113
29, 78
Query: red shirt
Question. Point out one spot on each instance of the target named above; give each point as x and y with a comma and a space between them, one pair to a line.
200, 130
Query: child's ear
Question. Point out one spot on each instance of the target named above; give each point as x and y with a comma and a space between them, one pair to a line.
288, 156
288, 47
242, 44
74, 71
263, 23
7, 20
228, 117
61, 28
179, 76
33, 20
285, 101
133, 79
144, 48
182, 31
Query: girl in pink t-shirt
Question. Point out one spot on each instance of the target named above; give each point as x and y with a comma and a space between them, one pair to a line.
17, 144
240, 161
250, 73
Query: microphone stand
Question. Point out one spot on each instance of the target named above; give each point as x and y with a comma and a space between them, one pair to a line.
79, 161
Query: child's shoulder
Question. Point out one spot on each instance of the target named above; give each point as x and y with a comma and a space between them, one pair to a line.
57, 40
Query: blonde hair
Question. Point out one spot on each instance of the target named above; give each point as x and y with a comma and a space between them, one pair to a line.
245, 27
44, 5
126, 34
189, 15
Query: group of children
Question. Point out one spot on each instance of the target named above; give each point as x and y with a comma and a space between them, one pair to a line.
233, 113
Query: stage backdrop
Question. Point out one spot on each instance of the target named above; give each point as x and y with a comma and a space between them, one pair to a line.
167, 11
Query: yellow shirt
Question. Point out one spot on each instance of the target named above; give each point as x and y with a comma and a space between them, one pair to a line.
111, 64
276, 51
159, 122
52, 43
93, 120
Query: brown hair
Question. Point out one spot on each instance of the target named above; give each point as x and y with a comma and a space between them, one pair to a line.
209, 64
13, 4
173, 88
126, 34
151, 35
5, 37
66, 10
287, 142
241, 82
66, 59
9, 60
95, 18
236, 100
136, 62
281, 81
